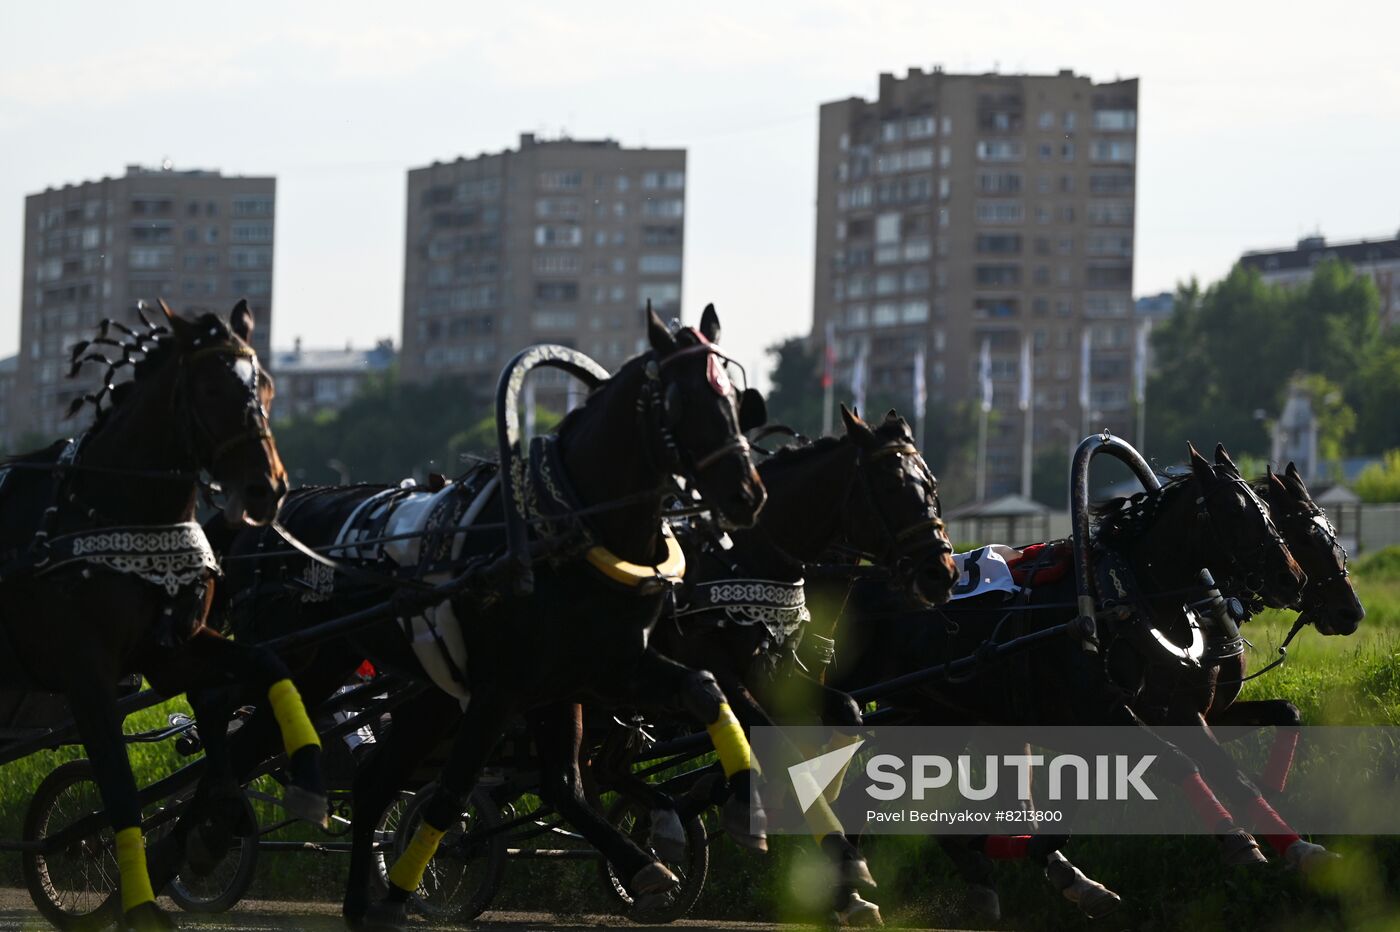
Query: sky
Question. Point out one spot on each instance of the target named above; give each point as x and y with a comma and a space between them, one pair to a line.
1258, 122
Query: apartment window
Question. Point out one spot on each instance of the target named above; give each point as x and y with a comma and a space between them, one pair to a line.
886, 314
558, 292
252, 287
1118, 183
619, 265
887, 228
1099, 276
885, 255
889, 162
890, 131
561, 180
1042, 213
1112, 150
556, 263
1067, 152
997, 275
999, 243
557, 235
947, 125
1041, 275
660, 294
663, 181
1108, 244
623, 183
663, 207
1071, 120
1047, 119
857, 286
916, 249
1045, 151
600, 238
211, 235
920, 127
661, 236
887, 283
916, 159
916, 279
999, 182
1064, 307
1040, 307
1065, 245
146, 207
844, 142
1000, 150
857, 315
617, 294
1115, 120
159, 232
995, 307
945, 156
554, 320
659, 265
1110, 213
251, 233
1000, 212
913, 312
1106, 305
151, 257
563, 208
917, 189
252, 205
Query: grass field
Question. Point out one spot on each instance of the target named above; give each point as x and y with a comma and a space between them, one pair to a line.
1167, 883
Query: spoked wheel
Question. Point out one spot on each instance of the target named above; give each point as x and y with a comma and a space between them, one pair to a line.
633, 818
464, 875
218, 890
70, 884
385, 833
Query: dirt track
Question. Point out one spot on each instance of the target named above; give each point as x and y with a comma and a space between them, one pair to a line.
17, 912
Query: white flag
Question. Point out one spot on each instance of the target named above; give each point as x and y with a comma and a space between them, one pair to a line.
985, 373
1140, 362
920, 387
1025, 399
1084, 337
858, 379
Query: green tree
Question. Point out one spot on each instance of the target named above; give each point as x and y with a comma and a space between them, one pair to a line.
1380, 482
795, 394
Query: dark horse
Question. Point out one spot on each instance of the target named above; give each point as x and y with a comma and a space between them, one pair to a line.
741, 613
1206, 695
1156, 542
600, 484
108, 574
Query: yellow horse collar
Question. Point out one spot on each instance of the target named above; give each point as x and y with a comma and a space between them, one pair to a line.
669, 571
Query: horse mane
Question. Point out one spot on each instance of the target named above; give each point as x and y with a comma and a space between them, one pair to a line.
1127, 516
888, 431
142, 349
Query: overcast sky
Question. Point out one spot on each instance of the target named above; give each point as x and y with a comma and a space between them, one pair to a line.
1258, 122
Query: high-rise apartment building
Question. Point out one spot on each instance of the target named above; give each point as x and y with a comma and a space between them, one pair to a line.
1377, 259
559, 241
198, 239
958, 209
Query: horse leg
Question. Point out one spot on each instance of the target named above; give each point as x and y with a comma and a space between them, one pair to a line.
207, 658
92, 701
657, 681
478, 733
418, 725
558, 733
1273, 829
1281, 714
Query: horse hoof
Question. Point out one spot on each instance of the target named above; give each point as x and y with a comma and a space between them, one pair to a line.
748, 828
148, 917
384, 916
982, 902
860, 913
667, 836
654, 879
855, 872
1093, 898
1239, 849
306, 806
1306, 857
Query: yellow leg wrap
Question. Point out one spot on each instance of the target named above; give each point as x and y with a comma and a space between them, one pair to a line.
292, 721
407, 872
727, 735
131, 862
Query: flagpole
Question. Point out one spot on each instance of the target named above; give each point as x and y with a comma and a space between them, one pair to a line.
829, 379
1028, 425
1085, 415
920, 395
1144, 331
985, 377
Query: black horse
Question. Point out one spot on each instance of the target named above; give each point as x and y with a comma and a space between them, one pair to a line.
1206, 695
599, 485
1155, 542
106, 572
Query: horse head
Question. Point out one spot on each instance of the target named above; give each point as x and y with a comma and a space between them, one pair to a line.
1329, 602
222, 398
894, 514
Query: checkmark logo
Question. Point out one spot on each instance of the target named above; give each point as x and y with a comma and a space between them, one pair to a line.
811, 777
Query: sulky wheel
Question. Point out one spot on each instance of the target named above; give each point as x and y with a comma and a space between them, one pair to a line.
218, 890
464, 875
633, 818
70, 884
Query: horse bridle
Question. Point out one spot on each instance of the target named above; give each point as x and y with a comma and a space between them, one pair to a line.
255, 415
657, 404
1319, 526
1251, 582
904, 560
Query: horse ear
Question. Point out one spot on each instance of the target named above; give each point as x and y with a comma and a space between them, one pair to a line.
1294, 480
891, 415
709, 324
1222, 458
657, 333
856, 429
1204, 471
1277, 489
178, 325
240, 321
